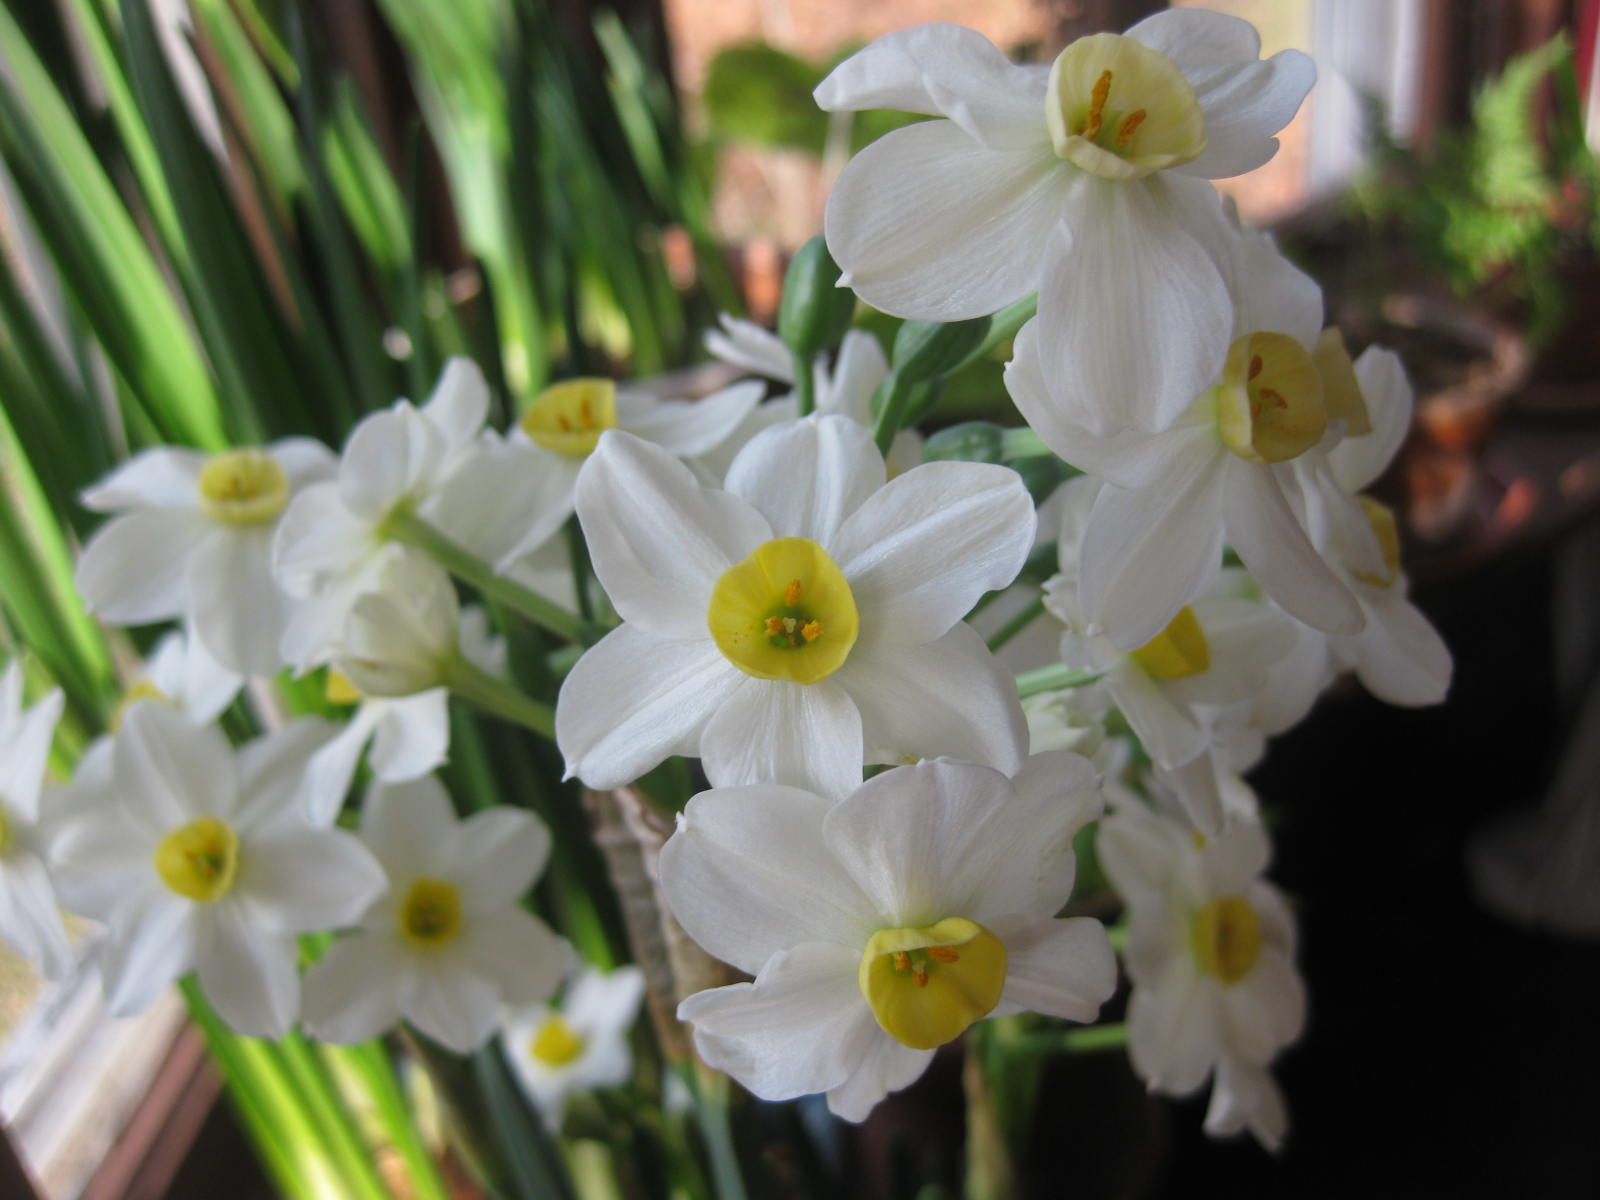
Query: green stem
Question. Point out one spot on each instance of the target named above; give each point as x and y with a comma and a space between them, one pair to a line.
805, 384
1017, 623
1053, 679
370, 1063
405, 526
1088, 1040
710, 1090
1022, 443
332, 1118
891, 414
477, 686
1003, 326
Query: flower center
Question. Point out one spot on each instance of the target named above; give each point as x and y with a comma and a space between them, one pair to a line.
1178, 651
570, 417
1269, 404
199, 860
430, 915
557, 1043
927, 985
339, 689
243, 487
1120, 110
785, 612
1387, 530
1226, 938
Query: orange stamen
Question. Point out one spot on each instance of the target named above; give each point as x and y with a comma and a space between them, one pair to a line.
1255, 368
944, 954
1097, 106
811, 630
791, 594
1129, 127
902, 961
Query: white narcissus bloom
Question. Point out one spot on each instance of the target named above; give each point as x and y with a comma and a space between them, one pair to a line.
578, 1046
409, 735
192, 538
1211, 954
800, 623
846, 388
181, 671
1087, 183
879, 927
30, 917
199, 859
1226, 471
449, 942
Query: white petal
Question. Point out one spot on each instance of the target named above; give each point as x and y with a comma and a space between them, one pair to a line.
97, 855
1266, 1010
801, 735
1139, 852
808, 476
930, 224
30, 915
746, 344
150, 945
942, 70
1244, 1096
304, 461
1170, 733
205, 687
302, 879
1262, 529
886, 1066
352, 994
1059, 968
411, 827
235, 605
412, 736
161, 477
606, 1003
1400, 657
504, 498
1245, 101
453, 1005
634, 698
248, 974
460, 402
499, 853
519, 952
922, 549
949, 697
858, 369
747, 874
272, 771
1358, 461
25, 750
135, 567
1274, 294
168, 772
690, 427
1149, 552
801, 1027
318, 536
1134, 313
1174, 1029
659, 540
330, 770
391, 456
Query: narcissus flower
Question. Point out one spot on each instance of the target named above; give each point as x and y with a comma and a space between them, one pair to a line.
193, 537
1211, 954
1086, 183
30, 917
449, 942
880, 927
800, 623
576, 1046
197, 859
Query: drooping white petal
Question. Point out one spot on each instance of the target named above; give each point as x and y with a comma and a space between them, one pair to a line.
924, 547
352, 994
300, 879
1266, 1010
748, 874
1170, 733
1173, 1028
1137, 312
330, 770
748, 345
412, 736
1357, 462
949, 697
460, 402
235, 605
1244, 1096
1400, 657
808, 477
272, 771
930, 224
802, 735
499, 853
1060, 968
801, 1027
135, 567
247, 973
885, 1067
690, 427
634, 698
160, 477
942, 70
858, 369
659, 540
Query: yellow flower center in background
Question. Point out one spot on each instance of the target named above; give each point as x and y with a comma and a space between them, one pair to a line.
785, 612
1269, 404
339, 689
143, 689
1120, 110
430, 915
1226, 938
199, 860
557, 1043
927, 985
570, 417
1387, 531
1178, 651
243, 487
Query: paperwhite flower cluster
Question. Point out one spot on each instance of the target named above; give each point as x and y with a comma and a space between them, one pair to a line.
887, 843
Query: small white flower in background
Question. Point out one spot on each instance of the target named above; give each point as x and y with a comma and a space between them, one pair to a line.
879, 927
192, 538
199, 859
799, 624
1226, 471
858, 369
1087, 183
1211, 954
576, 1046
182, 672
30, 916
449, 943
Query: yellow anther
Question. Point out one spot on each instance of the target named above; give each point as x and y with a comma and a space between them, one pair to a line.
199, 860
1129, 127
944, 954
811, 630
1097, 106
557, 1043
791, 594
947, 993
920, 977
902, 961
1226, 939
430, 914
775, 626
1178, 651
1255, 368
243, 487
